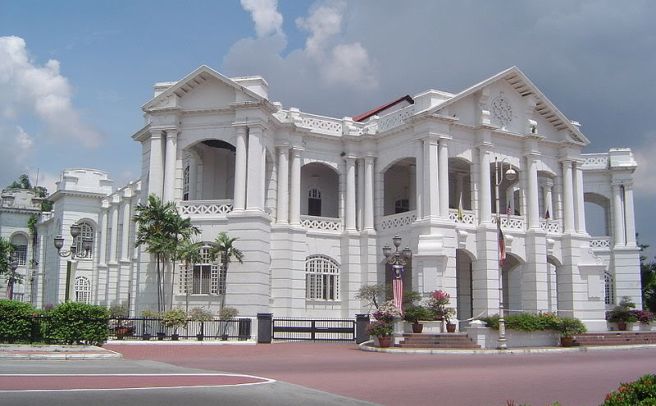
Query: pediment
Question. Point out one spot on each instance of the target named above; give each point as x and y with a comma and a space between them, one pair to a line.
510, 101
203, 88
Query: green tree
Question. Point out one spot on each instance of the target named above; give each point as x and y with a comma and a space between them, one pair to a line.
154, 224
648, 280
180, 230
224, 248
23, 182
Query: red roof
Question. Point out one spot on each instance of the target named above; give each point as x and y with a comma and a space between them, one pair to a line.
384, 107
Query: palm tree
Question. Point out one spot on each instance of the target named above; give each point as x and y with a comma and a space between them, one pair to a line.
181, 230
188, 252
224, 247
154, 231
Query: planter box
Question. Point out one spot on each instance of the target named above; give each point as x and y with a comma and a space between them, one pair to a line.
488, 338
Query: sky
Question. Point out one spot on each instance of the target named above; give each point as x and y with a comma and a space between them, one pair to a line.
74, 74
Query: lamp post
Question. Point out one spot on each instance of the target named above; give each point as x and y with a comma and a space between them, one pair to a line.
499, 176
72, 253
13, 265
397, 259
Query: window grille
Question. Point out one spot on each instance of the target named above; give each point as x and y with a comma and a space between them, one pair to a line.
321, 278
86, 231
609, 289
82, 290
185, 183
202, 278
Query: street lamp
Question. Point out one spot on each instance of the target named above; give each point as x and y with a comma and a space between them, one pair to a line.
499, 176
13, 265
397, 259
72, 253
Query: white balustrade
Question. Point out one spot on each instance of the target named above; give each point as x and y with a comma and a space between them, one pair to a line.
550, 226
511, 222
595, 161
396, 118
467, 217
205, 208
321, 223
397, 220
600, 243
321, 124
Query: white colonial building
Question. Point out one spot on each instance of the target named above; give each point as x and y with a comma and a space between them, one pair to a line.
313, 200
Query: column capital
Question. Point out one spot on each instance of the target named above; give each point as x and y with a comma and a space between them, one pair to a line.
297, 151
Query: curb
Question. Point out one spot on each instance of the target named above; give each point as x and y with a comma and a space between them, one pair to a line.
368, 346
185, 342
56, 352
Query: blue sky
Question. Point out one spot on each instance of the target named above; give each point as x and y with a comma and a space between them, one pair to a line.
593, 59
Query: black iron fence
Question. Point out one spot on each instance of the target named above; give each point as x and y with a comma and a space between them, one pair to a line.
313, 329
147, 329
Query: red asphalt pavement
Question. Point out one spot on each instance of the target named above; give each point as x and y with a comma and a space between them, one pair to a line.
572, 378
119, 381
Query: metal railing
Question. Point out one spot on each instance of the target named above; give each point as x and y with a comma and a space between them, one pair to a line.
314, 329
148, 328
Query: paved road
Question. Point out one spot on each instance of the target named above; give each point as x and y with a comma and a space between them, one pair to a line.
401, 379
99, 383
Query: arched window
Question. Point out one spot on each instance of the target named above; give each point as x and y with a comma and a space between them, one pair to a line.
314, 202
205, 277
82, 290
19, 242
86, 231
321, 278
609, 289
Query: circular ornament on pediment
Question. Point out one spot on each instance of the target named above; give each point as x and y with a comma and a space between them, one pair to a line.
502, 110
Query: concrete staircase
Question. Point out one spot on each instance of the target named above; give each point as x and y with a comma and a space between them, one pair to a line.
617, 338
445, 340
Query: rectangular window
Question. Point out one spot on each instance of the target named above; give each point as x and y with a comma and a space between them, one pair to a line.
201, 279
314, 207
21, 254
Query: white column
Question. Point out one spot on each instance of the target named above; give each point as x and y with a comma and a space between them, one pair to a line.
444, 178
125, 238
283, 185
193, 177
360, 194
295, 187
349, 216
412, 188
239, 202
580, 201
629, 218
169, 164
114, 236
568, 197
548, 199
156, 165
485, 194
104, 227
369, 193
255, 170
533, 196
618, 217
431, 205
419, 179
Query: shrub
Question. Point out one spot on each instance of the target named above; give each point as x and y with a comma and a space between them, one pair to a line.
200, 314
387, 312
623, 312
380, 328
437, 303
526, 322
150, 314
118, 311
77, 323
228, 313
639, 392
15, 321
414, 313
569, 326
643, 316
174, 318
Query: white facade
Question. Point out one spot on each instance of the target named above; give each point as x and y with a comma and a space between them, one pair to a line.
314, 199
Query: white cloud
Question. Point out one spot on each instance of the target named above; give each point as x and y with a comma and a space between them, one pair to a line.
265, 15
645, 175
40, 91
17, 145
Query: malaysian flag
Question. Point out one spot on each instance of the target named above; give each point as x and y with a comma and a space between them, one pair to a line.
546, 215
508, 210
502, 248
397, 286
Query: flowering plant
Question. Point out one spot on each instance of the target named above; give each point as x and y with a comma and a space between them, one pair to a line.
643, 316
380, 328
437, 303
387, 312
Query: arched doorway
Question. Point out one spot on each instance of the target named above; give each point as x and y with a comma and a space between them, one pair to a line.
512, 284
399, 187
464, 284
319, 190
552, 284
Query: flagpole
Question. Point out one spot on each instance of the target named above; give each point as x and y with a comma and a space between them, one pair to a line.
498, 179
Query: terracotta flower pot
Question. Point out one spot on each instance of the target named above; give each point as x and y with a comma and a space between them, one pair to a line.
621, 325
417, 328
384, 341
566, 341
450, 328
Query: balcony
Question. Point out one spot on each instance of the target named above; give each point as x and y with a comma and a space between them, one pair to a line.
395, 221
600, 243
324, 224
517, 223
551, 226
205, 209
467, 217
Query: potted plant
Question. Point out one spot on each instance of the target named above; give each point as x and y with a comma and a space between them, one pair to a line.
568, 327
201, 315
449, 318
225, 315
645, 317
382, 330
148, 316
121, 327
414, 313
622, 314
174, 318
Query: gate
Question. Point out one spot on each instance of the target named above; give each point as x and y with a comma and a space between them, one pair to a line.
314, 329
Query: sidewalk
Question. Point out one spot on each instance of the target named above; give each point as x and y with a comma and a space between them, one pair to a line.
55, 352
